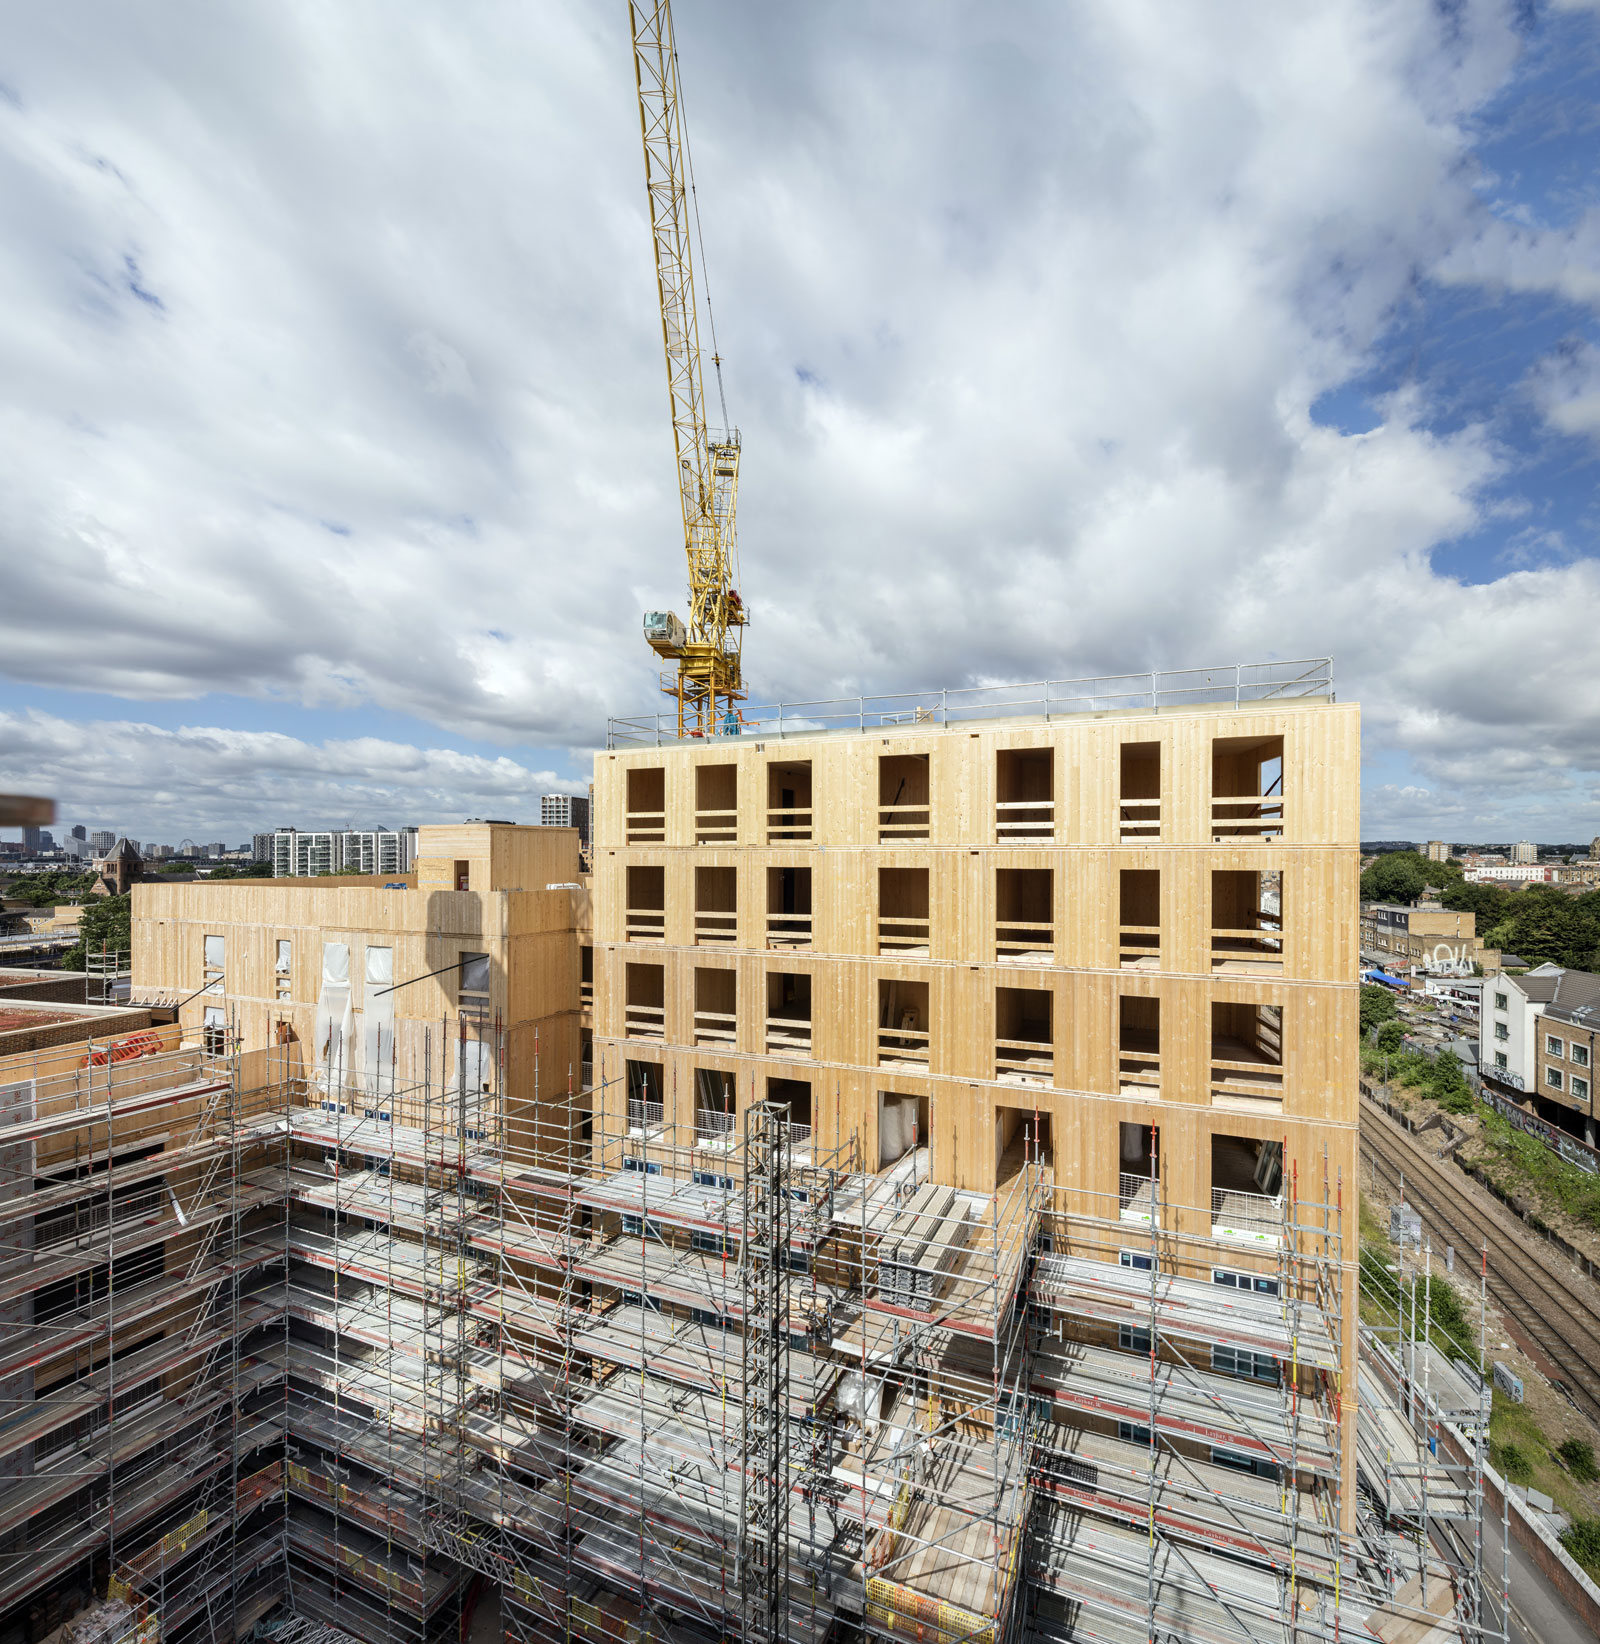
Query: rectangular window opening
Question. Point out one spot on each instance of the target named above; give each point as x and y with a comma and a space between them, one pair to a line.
1246, 788
716, 804
902, 1126
902, 797
1138, 1173
788, 907
903, 912
716, 906
472, 984
645, 915
1247, 1057
1247, 923
647, 806
788, 1021
1247, 1190
1139, 810
1138, 1046
904, 1037
1024, 905
715, 1110
716, 1018
1024, 1038
1025, 805
644, 1003
1139, 934
789, 814
795, 1095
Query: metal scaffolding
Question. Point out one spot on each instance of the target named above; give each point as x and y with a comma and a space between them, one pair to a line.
302, 1349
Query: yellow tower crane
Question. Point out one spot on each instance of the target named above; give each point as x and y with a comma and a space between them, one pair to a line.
708, 682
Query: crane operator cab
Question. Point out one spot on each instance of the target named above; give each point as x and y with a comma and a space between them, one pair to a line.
665, 633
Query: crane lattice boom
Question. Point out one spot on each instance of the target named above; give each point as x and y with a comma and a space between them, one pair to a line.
708, 681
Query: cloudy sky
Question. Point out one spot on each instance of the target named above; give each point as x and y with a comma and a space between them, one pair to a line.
1064, 339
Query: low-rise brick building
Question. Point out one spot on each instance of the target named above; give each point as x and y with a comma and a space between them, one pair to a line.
1434, 941
1567, 1049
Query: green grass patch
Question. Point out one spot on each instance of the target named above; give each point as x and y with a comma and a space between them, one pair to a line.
1582, 1540
1578, 1454
1514, 1461
1524, 1161
1521, 1451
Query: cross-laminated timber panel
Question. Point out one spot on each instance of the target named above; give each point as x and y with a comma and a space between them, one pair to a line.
1178, 817
1318, 1024
1320, 751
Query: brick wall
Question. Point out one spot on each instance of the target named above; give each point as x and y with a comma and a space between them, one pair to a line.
99, 1027
67, 987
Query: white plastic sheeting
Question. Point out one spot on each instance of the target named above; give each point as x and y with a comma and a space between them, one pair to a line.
477, 1066
377, 1034
897, 1126
335, 1019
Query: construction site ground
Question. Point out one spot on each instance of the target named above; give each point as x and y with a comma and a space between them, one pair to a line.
1547, 1416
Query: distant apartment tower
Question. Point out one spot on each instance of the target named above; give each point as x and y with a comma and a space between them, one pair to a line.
565, 810
101, 842
261, 847
297, 855
1524, 851
1438, 851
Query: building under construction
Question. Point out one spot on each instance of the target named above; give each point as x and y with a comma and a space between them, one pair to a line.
907, 1191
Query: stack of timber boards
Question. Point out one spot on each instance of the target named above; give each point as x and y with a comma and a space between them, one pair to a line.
921, 1246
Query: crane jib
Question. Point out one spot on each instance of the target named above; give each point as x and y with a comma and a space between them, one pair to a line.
708, 683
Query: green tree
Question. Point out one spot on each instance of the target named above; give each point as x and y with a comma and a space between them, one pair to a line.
1397, 877
1390, 1037
1377, 1006
1447, 1314
107, 924
1488, 902
1547, 929
51, 889
1448, 1086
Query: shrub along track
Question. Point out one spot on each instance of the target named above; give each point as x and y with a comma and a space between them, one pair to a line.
1550, 1307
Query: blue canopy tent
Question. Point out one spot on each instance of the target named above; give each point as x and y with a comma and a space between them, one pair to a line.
1386, 979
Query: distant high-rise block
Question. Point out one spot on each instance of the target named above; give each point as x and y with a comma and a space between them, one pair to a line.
565, 810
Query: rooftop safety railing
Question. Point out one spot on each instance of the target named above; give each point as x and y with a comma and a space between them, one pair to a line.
1234, 684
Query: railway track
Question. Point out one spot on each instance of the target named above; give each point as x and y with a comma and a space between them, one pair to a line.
1525, 1284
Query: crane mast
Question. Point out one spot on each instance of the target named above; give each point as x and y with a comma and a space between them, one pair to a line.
708, 681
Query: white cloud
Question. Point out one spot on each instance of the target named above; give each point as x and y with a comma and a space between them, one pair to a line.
332, 367
1526, 257
1566, 387
201, 779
